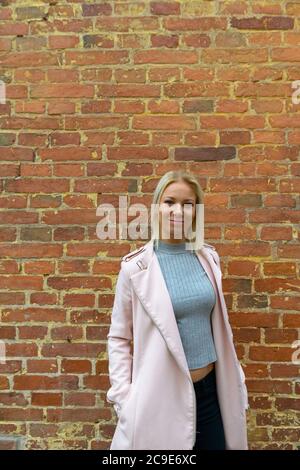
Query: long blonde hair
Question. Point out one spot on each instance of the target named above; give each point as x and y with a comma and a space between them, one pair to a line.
170, 177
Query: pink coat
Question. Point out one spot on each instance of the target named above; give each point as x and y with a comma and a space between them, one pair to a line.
152, 391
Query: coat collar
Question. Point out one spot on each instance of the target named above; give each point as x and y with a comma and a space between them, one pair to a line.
149, 285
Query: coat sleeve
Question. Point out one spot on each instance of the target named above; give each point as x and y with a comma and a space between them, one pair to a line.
245, 390
216, 259
242, 374
119, 343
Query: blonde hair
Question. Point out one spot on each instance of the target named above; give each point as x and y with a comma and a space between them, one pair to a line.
168, 178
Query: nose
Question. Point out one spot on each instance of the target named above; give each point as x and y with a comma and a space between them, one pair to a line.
177, 211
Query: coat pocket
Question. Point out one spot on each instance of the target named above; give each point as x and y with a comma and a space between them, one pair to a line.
124, 433
244, 386
118, 397
125, 399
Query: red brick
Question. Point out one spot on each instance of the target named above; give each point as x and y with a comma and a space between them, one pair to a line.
94, 111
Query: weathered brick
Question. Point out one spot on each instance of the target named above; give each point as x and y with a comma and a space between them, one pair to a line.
102, 99
204, 153
265, 22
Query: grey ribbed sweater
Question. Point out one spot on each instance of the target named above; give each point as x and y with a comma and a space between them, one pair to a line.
193, 299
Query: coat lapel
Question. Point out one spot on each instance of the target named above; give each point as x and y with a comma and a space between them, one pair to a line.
150, 287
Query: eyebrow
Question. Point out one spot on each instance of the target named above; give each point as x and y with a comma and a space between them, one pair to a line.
171, 197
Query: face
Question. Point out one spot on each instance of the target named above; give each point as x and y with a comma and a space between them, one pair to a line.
177, 211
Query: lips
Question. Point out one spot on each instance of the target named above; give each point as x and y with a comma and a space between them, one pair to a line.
178, 221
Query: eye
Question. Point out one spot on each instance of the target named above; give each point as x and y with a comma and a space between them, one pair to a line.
168, 202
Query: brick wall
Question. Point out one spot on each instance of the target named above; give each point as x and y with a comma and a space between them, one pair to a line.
103, 97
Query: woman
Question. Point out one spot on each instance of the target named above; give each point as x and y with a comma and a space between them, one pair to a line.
182, 386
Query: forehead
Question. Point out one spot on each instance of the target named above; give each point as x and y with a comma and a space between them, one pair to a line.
179, 189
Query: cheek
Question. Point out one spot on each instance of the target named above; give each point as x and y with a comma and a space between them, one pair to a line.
164, 211
190, 213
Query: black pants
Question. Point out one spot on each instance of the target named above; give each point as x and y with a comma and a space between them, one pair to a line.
210, 431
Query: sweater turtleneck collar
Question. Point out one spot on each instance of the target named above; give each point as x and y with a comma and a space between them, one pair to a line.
171, 248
